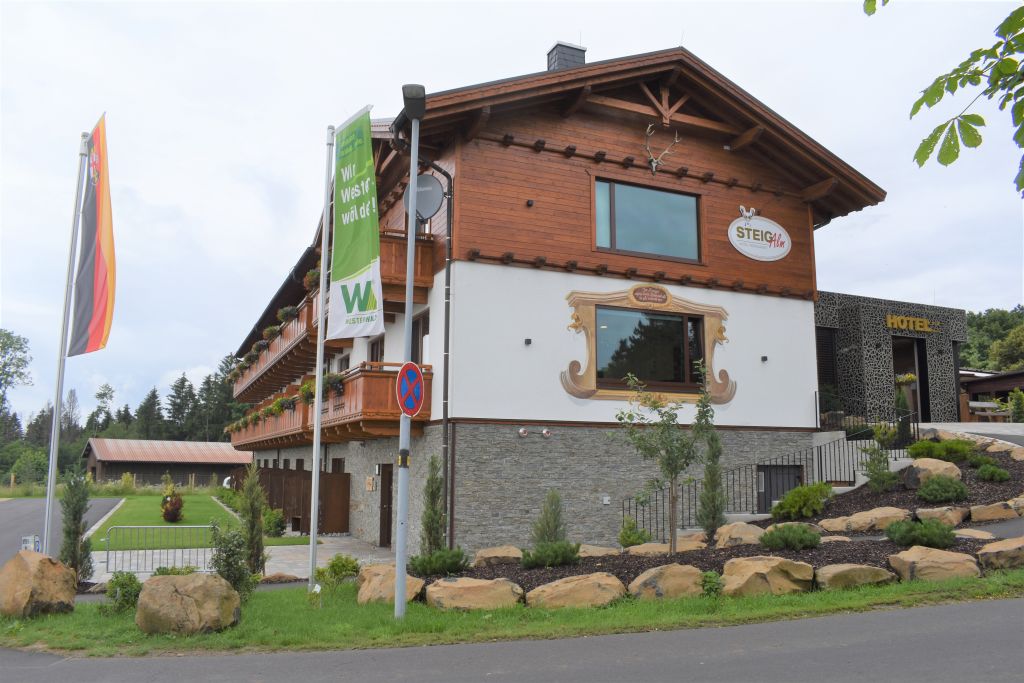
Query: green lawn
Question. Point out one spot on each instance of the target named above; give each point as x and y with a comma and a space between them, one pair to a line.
198, 510
284, 620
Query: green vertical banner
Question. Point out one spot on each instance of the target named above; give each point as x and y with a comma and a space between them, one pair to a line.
356, 306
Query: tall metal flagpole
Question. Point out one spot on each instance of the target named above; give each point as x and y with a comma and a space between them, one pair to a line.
325, 257
51, 476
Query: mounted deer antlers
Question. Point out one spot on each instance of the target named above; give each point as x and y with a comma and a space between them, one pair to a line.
656, 162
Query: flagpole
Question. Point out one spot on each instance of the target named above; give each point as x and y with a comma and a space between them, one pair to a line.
325, 256
51, 477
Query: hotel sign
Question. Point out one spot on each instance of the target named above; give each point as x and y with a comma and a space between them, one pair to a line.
759, 238
910, 323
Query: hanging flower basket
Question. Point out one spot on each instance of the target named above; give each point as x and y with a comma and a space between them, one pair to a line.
312, 279
287, 313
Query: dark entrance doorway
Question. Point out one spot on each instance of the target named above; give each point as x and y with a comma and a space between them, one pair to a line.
774, 481
909, 355
386, 473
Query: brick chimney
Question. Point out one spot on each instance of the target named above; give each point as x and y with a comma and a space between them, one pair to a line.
566, 56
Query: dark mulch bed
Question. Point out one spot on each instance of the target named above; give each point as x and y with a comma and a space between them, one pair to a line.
979, 493
628, 567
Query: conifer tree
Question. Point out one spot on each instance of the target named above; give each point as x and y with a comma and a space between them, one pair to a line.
149, 417
712, 502
433, 521
549, 527
75, 550
254, 501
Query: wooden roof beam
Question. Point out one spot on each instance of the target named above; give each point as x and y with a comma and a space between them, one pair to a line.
581, 98
819, 190
745, 139
476, 124
684, 119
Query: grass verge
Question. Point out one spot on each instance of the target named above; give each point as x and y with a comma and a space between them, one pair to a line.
284, 620
145, 511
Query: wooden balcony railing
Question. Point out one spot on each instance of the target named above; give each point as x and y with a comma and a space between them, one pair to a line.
366, 408
293, 352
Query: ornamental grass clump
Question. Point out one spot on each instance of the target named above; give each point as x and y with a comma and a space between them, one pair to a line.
992, 473
942, 489
803, 502
630, 534
440, 562
979, 460
790, 537
551, 554
930, 532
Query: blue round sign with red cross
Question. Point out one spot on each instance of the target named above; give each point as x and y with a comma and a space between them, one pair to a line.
409, 389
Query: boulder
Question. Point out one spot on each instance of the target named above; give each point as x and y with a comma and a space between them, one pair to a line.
877, 519
194, 603
1008, 554
923, 469
988, 513
588, 590
997, 447
974, 533
280, 577
952, 516
737, 533
380, 587
1017, 504
849, 575
930, 564
502, 554
835, 539
667, 581
1017, 453
587, 550
466, 593
32, 583
370, 571
698, 536
692, 542
647, 549
97, 589
807, 525
760, 575
834, 524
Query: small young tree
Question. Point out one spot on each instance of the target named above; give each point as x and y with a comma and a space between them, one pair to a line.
549, 527
1016, 405
712, 502
253, 502
433, 521
75, 550
651, 428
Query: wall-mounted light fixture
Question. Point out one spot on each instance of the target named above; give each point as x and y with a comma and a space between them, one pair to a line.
529, 202
527, 341
764, 359
546, 433
523, 432
376, 470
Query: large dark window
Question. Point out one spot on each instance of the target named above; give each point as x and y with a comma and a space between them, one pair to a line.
659, 348
645, 221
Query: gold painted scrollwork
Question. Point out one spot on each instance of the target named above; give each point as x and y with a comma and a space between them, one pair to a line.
581, 380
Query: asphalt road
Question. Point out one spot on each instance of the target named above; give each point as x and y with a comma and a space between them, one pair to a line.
24, 517
979, 642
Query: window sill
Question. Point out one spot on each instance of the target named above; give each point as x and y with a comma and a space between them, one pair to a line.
647, 255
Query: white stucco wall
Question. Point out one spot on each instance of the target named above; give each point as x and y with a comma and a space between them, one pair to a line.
496, 375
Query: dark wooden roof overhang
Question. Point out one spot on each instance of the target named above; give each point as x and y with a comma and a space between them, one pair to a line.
290, 293
744, 124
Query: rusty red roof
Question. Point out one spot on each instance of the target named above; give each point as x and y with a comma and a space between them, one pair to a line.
141, 450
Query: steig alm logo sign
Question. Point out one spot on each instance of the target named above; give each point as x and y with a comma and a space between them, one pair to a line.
758, 237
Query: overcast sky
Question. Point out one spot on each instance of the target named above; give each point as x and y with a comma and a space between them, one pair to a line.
216, 116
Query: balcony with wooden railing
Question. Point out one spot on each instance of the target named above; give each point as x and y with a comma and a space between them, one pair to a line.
293, 352
365, 408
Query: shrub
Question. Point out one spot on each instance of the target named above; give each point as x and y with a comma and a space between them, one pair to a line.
885, 435
876, 467
630, 534
923, 449
957, 450
432, 522
1016, 405
171, 505
711, 583
803, 501
76, 550
123, 590
942, 489
175, 571
992, 473
549, 527
273, 522
229, 560
790, 537
440, 562
339, 568
229, 497
551, 554
978, 460
930, 532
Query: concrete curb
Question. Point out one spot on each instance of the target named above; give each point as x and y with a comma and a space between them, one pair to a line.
95, 527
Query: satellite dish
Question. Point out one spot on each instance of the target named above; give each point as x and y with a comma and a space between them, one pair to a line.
429, 195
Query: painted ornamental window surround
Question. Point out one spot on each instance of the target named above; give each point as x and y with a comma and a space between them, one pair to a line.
582, 379
646, 221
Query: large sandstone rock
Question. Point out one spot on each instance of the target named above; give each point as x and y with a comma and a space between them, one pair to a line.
1008, 554
1017, 453
647, 549
997, 447
587, 550
737, 533
930, 564
667, 581
380, 587
761, 575
877, 519
466, 593
589, 590
988, 513
502, 554
807, 525
923, 469
195, 603
849, 575
1017, 504
835, 539
32, 583
974, 533
948, 515
370, 571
